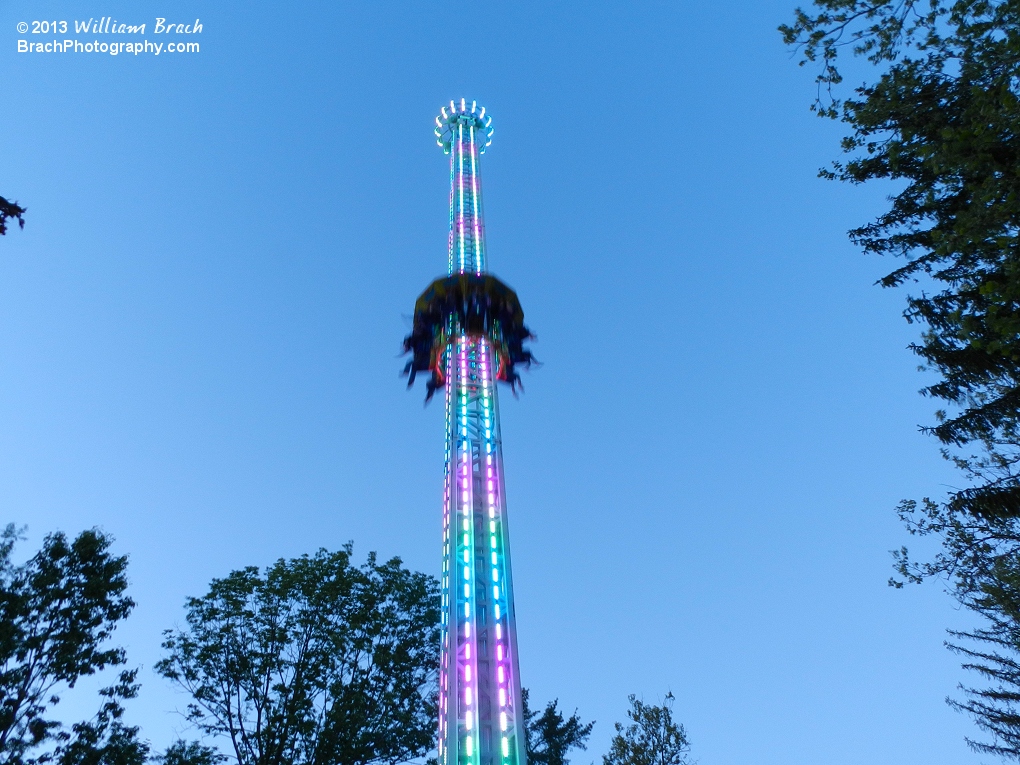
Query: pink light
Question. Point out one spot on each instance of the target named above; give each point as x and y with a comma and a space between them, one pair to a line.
499, 648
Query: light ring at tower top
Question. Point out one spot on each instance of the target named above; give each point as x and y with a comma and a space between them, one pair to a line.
463, 112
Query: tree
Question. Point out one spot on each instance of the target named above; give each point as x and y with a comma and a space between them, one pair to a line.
105, 739
314, 662
549, 737
942, 120
652, 738
10, 211
189, 753
58, 611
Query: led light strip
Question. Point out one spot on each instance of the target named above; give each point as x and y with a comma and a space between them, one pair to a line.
450, 244
470, 658
479, 263
503, 666
460, 189
445, 638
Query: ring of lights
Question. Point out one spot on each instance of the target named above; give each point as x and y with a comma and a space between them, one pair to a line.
466, 114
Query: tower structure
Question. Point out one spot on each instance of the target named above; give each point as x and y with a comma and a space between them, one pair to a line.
468, 333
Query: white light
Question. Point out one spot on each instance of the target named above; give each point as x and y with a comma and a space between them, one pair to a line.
502, 720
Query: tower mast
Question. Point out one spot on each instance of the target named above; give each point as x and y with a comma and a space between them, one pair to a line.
476, 340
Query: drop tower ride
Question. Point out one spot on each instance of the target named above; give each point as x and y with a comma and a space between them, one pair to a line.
468, 333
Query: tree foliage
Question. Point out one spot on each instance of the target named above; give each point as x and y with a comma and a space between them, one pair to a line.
992, 652
58, 611
105, 739
549, 736
189, 753
313, 662
941, 120
10, 211
651, 738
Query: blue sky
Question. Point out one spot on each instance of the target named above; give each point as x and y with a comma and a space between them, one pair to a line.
200, 321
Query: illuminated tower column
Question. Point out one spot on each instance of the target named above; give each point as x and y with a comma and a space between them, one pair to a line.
480, 716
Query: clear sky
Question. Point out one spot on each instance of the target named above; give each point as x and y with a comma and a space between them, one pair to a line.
199, 327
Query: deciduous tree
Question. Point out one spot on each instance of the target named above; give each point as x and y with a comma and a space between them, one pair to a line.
651, 738
58, 611
314, 661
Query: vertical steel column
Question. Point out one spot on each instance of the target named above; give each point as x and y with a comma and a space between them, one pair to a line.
480, 719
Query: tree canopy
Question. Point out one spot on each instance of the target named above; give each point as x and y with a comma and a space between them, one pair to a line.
941, 120
651, 738
550, 736
58, 611
314, 661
